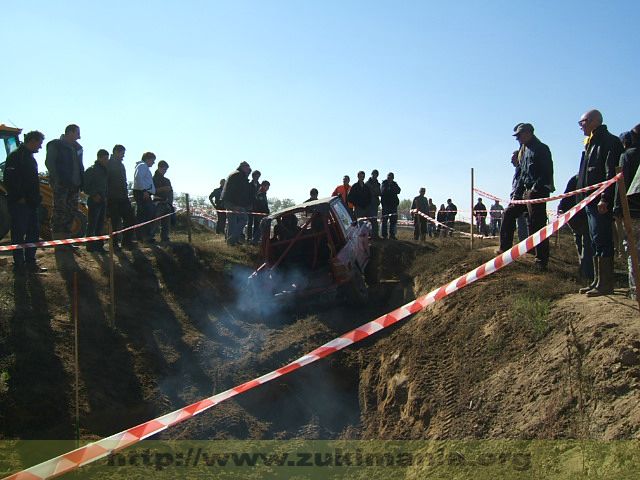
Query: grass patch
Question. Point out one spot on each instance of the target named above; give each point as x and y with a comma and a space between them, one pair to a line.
532, 311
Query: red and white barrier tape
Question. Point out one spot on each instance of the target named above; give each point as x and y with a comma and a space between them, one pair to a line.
69, 241
433, 220
102, 448
548, 199
488, 195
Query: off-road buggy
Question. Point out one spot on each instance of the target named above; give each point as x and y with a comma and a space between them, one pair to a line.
312, 249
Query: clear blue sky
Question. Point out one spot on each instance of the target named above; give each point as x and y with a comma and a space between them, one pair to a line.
307, 91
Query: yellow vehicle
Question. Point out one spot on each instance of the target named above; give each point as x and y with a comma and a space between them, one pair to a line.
9, 137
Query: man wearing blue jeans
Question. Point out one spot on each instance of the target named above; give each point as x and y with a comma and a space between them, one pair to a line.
599, 159
389, 191
236, 196
143, 188
23, 197
535, 180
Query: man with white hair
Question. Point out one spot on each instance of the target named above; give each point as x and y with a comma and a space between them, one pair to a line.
598, 163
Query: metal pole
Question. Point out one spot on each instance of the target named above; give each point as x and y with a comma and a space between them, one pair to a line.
188, 217
471, 220
631, 241
112, 280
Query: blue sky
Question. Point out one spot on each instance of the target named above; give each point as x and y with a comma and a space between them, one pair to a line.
307, 91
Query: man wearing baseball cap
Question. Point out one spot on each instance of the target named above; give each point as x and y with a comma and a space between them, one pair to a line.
536, 181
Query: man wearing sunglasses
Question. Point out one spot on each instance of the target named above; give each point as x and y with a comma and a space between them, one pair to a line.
601, 154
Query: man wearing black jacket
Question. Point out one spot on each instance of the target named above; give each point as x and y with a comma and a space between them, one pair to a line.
95, 186
66, 172
216, 200
360, 196
389, 191
23, 197
598, 163
236, 196
536, 181
629, 162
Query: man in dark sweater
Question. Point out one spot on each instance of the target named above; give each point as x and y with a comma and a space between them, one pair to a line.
535, 181
360, 197
629, 162
23, 197
389, 191
236, 196
119, 207
66, 171
599, 159
95, 186
216, 200
421, 204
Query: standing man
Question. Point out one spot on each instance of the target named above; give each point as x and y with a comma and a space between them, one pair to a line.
360, 197
630, 161
421, 204
143, 188
163, 201
342, 191
216, 200
254, 220
236, 196
260, 205
480, 212
580, 229
374, 188
516, 193
536, 177
431, 227
313, 195
389, 191
23, 196
119, 208
66, 171
95, 186
496, 217
452, 211
598, 163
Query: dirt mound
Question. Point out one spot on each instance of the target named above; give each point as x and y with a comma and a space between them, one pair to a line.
517, 355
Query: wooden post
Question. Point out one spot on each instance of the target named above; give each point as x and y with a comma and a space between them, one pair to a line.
631, 241
75, 354
471, 220
558, 234
112, 281
188, 217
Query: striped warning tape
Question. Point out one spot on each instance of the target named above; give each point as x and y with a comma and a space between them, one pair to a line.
433, 220
69, 241
94, 451
548, 199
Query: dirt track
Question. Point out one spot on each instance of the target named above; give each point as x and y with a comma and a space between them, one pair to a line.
466, 368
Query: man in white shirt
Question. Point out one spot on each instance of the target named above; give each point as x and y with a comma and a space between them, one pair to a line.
143, 188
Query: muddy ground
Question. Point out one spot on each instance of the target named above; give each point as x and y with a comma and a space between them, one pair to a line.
516, 355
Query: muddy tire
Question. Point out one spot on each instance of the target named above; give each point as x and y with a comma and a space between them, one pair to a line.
356, 292
4, 217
